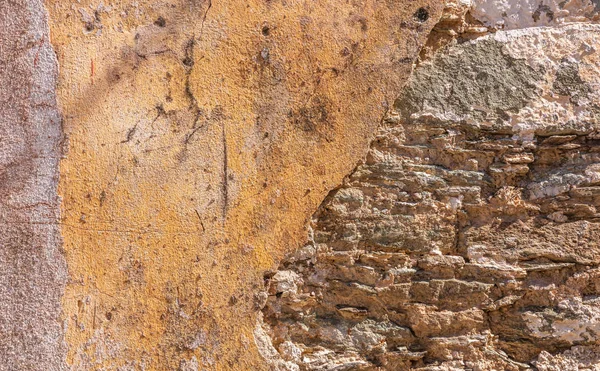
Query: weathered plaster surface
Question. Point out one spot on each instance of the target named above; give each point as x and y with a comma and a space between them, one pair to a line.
202, 135
32, 267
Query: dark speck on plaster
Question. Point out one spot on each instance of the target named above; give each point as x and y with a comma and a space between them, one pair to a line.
160, 22
422, 15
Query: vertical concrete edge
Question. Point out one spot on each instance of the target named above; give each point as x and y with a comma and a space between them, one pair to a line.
33, 269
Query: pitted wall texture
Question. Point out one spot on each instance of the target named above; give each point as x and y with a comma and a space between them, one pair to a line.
32, 267
201, 137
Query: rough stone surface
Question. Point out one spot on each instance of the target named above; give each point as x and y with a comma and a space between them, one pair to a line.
32, 267
464, 20
514, 14
468, 238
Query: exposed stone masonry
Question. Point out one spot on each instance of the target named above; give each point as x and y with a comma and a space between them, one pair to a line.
468, 237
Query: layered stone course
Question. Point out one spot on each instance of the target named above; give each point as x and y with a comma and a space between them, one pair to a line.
468, 237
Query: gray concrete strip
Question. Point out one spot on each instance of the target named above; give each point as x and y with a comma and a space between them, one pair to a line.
32, 267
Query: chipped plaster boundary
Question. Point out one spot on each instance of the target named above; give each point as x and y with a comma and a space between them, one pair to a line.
261, 335
277, 180
513, 46
32, 266
524, 76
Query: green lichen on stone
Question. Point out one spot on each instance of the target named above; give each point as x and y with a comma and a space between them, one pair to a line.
471, 81
569, 83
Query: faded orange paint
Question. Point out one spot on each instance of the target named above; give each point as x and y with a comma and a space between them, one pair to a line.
197, 153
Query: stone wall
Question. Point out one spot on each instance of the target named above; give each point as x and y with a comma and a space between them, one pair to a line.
467, 238
167, 167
